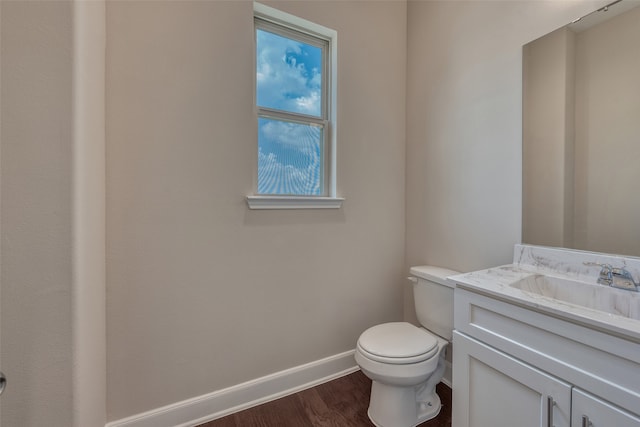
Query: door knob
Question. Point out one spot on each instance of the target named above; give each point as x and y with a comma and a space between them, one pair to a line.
3, 382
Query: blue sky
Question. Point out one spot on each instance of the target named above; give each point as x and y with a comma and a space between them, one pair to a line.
288, 74
288, 78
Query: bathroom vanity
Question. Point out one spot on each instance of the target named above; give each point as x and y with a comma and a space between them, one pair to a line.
541, 343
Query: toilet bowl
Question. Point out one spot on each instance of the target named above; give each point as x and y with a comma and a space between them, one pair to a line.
406, 362
396, 399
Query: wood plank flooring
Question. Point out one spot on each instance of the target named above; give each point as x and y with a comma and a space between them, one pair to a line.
339, 403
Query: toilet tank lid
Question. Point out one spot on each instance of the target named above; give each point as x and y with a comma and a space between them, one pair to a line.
434, 274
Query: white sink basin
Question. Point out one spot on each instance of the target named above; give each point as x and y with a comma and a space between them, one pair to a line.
597, 297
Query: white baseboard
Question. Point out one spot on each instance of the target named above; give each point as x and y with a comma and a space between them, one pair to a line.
448, 375
201, 409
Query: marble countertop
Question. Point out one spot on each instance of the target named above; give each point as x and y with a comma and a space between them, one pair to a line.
564, 264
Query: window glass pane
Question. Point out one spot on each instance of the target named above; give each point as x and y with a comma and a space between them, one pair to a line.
288, 74
289, 158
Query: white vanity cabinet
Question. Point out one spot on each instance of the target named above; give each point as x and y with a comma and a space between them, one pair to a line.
590, 411
499, 390
517, 366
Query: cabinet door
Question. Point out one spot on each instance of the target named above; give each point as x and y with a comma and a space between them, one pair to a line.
491, 389
589, 411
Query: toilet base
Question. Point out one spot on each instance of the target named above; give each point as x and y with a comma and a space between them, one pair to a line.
393, 406
429, 409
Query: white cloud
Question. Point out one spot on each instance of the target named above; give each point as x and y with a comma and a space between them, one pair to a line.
292, 136
283, 81
275, 177
309, 104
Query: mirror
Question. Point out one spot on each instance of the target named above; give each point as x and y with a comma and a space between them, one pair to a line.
581, 134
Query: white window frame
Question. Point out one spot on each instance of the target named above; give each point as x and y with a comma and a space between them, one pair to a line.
274, 17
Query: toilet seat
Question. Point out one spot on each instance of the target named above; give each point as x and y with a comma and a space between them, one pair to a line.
397, 343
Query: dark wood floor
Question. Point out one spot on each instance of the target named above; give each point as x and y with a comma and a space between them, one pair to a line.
339, 403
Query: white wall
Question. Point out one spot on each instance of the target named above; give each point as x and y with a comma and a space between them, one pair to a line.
89, 233
203, 293
464, 124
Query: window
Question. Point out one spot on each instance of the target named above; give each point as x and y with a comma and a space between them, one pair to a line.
295, 112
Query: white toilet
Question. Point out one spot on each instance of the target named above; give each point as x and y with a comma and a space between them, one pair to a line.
405, 362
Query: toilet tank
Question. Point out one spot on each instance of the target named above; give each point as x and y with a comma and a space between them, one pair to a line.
433, 297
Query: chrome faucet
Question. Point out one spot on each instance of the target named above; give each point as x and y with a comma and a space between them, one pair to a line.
622, 279
619, 278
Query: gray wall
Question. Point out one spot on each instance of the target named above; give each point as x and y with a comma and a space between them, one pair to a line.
607, 129
37, 128
464, 127
52, 213
203, 293
548, 139
581, 131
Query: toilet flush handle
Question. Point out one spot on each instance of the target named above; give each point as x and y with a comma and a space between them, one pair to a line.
413, 279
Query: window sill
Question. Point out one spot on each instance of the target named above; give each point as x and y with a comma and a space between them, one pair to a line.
293, 202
